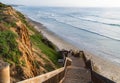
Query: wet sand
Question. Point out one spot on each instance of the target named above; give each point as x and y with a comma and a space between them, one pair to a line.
101, 65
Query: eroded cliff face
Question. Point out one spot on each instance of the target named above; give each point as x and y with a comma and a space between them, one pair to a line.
29, 63
24, 45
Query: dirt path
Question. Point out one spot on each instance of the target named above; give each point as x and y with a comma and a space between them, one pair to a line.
77, 73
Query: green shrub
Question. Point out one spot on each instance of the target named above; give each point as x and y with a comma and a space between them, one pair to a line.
2, 5
52, 54
48, 67
9, 22
8, 46
22, 17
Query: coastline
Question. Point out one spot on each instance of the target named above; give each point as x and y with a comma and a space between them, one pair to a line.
102, 66
55, 39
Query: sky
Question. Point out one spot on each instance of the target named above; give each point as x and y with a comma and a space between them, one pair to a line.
71, 3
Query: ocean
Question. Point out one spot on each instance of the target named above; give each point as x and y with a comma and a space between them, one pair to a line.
96, 30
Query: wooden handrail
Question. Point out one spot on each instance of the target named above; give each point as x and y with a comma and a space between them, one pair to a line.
53, 76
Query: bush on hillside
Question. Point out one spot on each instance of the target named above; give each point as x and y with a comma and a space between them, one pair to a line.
8, 46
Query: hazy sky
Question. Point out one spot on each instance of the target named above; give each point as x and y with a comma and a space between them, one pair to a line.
86, 3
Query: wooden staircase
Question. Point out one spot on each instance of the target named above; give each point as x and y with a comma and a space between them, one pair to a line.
77, 73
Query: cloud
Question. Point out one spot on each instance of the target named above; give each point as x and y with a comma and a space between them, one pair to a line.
79, 3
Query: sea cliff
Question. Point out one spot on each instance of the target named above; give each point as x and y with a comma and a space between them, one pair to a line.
24, 48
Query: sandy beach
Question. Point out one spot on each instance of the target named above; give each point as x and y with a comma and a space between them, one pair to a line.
55, 39
101, 65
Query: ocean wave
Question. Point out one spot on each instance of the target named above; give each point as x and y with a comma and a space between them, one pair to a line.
111, 24
91, 18
107, 31
93, 32
101, 20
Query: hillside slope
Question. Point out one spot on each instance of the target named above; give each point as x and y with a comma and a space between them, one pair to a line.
27, 51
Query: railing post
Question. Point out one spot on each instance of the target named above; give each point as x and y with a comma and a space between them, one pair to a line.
4, 72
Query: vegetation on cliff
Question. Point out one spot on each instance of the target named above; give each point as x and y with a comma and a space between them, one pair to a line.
8, 47
28, 53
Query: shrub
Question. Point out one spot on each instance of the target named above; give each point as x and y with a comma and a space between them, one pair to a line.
22, 17
50, 52
9, 22
2, 5
8, 46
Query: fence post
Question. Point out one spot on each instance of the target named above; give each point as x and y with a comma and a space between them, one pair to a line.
4, 72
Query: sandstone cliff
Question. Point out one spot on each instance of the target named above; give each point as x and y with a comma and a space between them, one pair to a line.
20, 45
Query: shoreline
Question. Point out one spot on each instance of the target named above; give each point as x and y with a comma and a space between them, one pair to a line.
102, 66
55, 39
